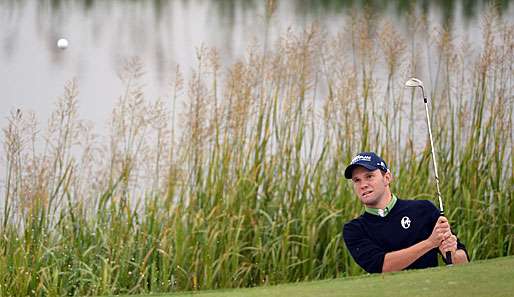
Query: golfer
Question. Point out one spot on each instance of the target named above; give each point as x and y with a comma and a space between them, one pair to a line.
394, 234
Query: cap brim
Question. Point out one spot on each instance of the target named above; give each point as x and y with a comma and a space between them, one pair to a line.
348, 171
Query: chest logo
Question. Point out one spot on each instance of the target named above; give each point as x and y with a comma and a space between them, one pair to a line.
405, 222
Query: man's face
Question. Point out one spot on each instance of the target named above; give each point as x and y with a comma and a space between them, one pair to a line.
370, 186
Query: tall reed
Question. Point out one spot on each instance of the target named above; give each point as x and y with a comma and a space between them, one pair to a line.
243, 185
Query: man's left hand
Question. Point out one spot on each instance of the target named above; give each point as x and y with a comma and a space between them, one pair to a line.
448, 244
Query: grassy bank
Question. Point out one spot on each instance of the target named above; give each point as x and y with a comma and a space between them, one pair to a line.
484, 278
243, 184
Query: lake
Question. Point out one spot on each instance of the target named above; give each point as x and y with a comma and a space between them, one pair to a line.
103, 34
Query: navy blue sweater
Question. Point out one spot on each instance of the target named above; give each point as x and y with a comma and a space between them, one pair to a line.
369, 237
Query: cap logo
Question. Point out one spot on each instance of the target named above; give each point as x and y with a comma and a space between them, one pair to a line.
361, 158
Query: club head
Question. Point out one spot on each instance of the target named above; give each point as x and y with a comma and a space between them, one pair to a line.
414, 82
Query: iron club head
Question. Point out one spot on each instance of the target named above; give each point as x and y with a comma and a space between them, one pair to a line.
414, 82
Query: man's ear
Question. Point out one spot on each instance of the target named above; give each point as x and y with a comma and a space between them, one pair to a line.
388, 177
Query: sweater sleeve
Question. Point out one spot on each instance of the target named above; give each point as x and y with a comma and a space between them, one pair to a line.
363, 249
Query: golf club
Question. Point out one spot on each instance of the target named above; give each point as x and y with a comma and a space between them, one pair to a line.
413, 83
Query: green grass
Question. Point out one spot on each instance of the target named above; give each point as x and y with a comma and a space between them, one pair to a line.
482, 278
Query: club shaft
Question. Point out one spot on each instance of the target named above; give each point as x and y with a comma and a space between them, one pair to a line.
433, 157
441, 209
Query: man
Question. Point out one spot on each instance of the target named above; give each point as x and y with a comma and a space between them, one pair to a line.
394, 234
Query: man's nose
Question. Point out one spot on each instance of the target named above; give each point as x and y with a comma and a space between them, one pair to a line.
363, 185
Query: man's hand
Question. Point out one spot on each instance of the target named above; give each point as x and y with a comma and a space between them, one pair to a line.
440, 233
448, 244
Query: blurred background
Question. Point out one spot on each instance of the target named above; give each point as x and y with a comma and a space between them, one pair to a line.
103, 34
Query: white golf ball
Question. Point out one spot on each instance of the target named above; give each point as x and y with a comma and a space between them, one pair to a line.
62, 43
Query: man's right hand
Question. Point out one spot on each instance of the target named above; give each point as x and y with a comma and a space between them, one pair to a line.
440, 231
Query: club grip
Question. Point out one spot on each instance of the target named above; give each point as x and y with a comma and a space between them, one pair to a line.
449, 258
448, 253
